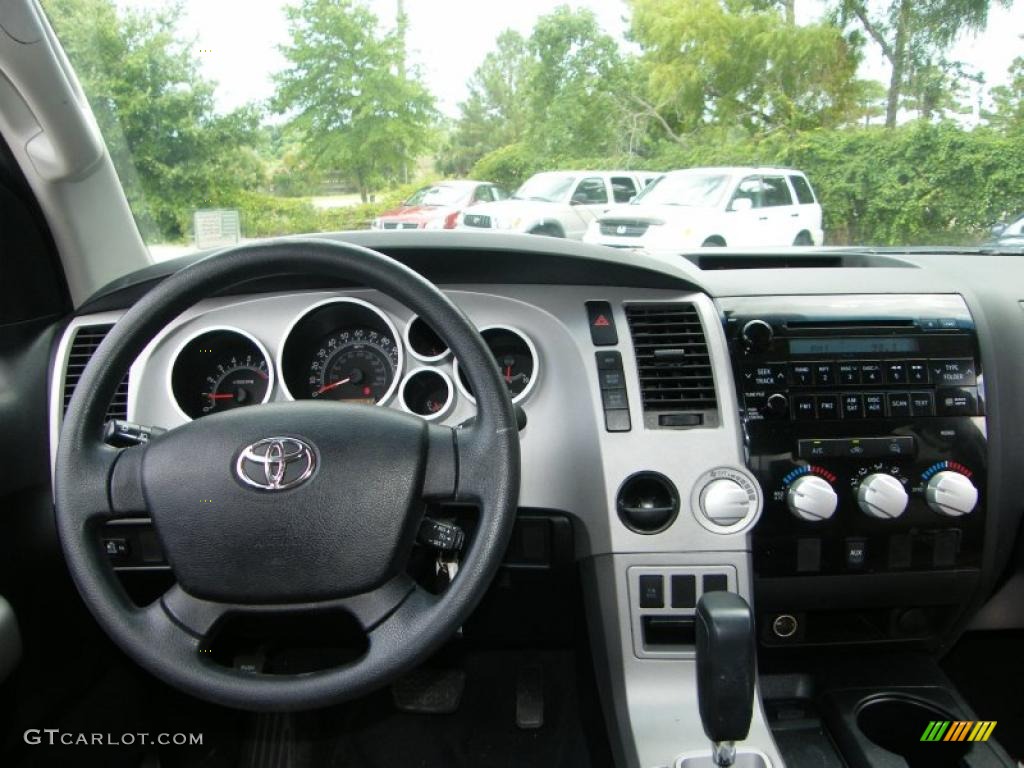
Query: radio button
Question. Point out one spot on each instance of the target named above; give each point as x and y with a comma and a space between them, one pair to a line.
803, 407
957, 401
824, 374
871, 373
896, 372
801, 373
899, 404
766, 375
853, 406
959, 373
874, 405
917, 372
922, 404
818, 449
849, 373
828, 407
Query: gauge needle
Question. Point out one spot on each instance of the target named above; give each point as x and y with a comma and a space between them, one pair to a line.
508, 374
226, 396
329, 387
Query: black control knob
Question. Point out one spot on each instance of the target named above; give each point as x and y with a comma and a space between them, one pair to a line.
776, 406
757, 336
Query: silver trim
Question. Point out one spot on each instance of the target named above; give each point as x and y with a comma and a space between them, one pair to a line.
533, 352
169, 382
412, 351
448, 403
399, 344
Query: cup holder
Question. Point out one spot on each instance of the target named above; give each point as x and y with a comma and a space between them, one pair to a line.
895, 722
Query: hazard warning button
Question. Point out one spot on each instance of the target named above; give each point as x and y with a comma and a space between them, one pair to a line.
602, 324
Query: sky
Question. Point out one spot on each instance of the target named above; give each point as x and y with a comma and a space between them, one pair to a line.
238, 39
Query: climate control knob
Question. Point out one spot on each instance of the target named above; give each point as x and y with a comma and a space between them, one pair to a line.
950, 493
882, 496
812, 498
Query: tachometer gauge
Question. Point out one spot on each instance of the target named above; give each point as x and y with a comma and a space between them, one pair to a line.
356, 365
516, 358
219, 370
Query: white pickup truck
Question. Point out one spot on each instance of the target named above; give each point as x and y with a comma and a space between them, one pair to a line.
558, 203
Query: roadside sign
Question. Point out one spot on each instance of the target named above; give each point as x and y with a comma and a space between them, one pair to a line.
216, 227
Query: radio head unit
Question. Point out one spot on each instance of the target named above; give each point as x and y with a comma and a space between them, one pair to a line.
864, 423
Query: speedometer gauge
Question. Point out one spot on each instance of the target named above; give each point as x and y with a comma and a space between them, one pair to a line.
354, 365
342, 349
219, 370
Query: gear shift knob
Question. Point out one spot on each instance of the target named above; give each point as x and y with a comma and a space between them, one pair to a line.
725, 670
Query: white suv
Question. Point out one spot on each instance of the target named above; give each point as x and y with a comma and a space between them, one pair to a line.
558, 203
740, 207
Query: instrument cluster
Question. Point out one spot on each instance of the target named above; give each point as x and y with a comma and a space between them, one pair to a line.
340, 349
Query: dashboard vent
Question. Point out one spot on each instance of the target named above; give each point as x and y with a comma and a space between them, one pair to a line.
672, 357
83, 346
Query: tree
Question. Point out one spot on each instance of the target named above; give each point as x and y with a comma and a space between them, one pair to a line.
742, 65
172, 151
913, 35
577, 86
354, 104
1008, 101
496, 113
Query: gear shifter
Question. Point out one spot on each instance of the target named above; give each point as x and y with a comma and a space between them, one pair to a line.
725, 671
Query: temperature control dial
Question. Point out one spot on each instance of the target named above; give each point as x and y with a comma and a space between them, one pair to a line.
882, 496
812, 498
950, 493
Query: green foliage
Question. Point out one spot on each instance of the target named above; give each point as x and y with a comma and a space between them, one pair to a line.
913, 37
508, 166
706, 63
172, 151
562, 91
1008, 101
354, 106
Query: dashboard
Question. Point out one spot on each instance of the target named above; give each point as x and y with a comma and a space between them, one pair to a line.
832, 436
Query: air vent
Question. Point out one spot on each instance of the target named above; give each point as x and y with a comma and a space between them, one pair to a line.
83, 346
672, 361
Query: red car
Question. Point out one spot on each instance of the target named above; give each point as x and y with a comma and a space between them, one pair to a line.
438, 206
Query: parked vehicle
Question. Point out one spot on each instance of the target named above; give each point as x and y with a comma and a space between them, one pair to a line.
558, 203
1009, 234
741, 207
438, 206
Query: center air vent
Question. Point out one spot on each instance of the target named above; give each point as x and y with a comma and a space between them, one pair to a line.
673, 364
87, 338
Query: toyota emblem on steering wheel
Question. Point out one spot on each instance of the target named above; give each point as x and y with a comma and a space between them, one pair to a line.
276, 463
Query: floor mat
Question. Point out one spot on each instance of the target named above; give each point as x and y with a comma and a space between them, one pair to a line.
483, 731
988, 670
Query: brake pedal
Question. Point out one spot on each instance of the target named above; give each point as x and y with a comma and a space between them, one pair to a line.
529, 697
429, 691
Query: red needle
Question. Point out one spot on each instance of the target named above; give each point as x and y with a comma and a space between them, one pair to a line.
329, 387
226, 396
508, 373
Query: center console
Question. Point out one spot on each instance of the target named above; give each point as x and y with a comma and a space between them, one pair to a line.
864, 425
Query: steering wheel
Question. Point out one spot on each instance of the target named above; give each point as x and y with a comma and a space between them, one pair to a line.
285, 508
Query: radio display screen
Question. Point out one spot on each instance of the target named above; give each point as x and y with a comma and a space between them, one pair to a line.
858, 345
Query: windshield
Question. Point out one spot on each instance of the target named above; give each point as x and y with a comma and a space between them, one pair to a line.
887, 123
546, 187
439, 194
687, 189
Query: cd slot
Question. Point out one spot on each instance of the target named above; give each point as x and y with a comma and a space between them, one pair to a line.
847, 325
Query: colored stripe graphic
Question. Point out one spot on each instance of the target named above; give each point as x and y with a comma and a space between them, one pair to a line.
958, 730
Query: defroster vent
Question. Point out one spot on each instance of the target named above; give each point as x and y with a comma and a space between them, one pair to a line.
87, 338
672, 361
